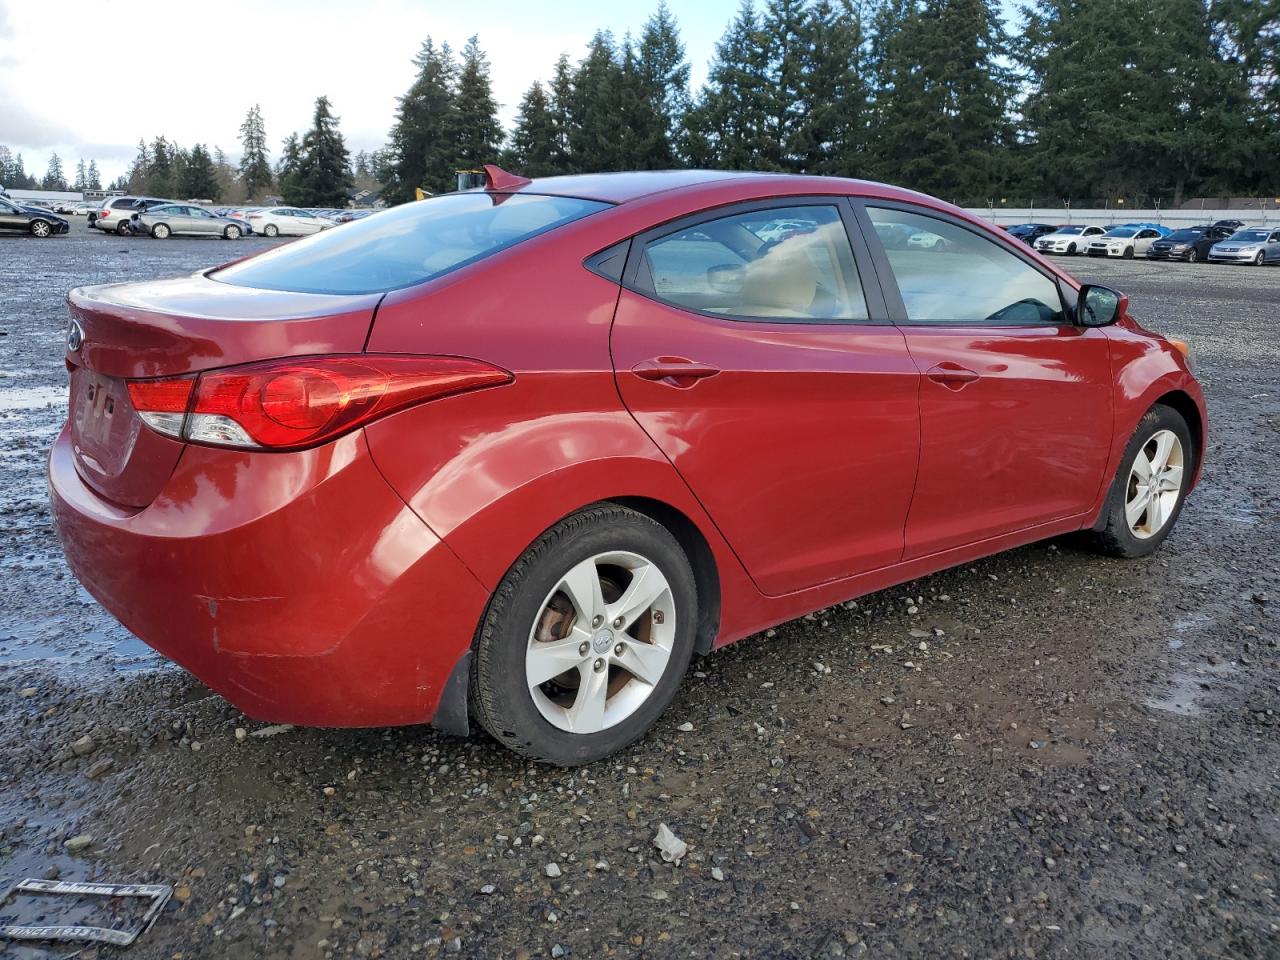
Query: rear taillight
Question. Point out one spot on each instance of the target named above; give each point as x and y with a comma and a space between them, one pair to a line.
104, 214
254, 216
297, 403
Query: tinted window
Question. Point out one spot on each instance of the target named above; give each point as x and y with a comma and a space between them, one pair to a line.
407, 244
6, 208
1183, 236
782, 263
947, 273
124, 204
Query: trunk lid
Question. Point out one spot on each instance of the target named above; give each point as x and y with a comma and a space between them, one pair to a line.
167, 328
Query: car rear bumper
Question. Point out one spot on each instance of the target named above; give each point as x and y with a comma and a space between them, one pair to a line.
299, 586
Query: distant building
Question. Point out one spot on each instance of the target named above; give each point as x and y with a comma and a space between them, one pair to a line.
45, 197
367, 199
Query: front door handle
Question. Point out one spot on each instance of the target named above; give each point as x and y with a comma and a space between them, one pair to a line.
675, 371
951, 375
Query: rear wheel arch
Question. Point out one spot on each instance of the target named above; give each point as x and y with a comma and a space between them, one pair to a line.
705, 572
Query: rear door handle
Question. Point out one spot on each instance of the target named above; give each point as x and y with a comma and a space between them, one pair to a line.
676, 371
951, 375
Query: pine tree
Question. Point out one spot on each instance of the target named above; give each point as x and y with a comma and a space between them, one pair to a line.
137, 176
324, 170
479, 133
423, 144
288, 167
560, 106
830, 137
785, 28
662, 76
21, 178
81, 180
726, 128
600, 137
255, 167
54, 178
940, 116
199, 176
94, 179
159, 175
532, 152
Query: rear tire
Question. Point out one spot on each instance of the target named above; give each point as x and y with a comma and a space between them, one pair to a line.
160, 231
580, 598
123, 228
271, 230
1144, 503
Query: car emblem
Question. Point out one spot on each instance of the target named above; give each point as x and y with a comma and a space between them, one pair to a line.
75, 336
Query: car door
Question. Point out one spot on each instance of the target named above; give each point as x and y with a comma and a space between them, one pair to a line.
747, 345
1143, 240
1015, 400
11, 218
1272, 253
200, 221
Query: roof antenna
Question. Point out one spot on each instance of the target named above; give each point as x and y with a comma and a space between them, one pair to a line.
499, 179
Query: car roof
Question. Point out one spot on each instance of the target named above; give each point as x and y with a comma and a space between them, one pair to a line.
629, 186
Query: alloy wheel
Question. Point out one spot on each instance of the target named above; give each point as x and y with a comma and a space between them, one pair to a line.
40, 228
1155, 483
601, 642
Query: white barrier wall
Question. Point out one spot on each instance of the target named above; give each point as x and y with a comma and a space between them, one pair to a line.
1004, 216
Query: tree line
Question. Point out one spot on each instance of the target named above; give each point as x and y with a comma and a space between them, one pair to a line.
1083, 99
13, 173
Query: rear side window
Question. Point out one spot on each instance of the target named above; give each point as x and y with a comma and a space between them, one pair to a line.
408, 244
124, 204
948, 274
779, 263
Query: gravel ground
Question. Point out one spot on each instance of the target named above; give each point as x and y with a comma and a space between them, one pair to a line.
1043, 754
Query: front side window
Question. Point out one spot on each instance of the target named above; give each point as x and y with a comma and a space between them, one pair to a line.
949, 274
408, 244
782, 263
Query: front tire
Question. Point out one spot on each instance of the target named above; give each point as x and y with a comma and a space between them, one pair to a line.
1071, 250
232, 232
271, 230
1150, 486
1258, 258
586, 638
40, 229
1192, 257
1128, 253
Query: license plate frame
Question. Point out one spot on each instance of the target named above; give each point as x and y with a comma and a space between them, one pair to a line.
157, 893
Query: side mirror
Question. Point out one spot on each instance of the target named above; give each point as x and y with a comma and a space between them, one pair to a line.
1099, 306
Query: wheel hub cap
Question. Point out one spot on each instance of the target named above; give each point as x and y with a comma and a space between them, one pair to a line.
602, 641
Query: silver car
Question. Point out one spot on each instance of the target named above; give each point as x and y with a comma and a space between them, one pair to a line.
173, 219
1251, 245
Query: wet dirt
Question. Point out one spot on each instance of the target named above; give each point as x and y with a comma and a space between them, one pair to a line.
1084, 762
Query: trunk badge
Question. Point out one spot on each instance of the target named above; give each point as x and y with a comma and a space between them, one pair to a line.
75, 336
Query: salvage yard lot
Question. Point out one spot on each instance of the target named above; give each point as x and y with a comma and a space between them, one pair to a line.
1046, 753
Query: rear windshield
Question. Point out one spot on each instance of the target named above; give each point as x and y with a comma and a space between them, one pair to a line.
408, 244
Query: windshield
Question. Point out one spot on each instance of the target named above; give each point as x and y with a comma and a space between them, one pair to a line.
1254, 235
1071, 230
1121, 232
1188, 234
408, 244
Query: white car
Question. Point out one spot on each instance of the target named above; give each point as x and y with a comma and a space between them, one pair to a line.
924, 240
1126, 242
287, 222
1069, 240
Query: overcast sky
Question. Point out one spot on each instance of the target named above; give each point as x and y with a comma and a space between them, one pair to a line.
72, 80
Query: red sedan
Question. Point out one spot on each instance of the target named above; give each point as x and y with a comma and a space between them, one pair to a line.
515, 454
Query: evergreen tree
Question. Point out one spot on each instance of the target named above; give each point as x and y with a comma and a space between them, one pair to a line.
54, 178
830, 137
159, 175
81, 180
255, 167
560, 105
423, 144
533, 141
21, 178
726, 128
785, 29
93, 180
137, 175
600, 137
662, 78
479, 133
199, 176
288, 167
324, 170
940, 115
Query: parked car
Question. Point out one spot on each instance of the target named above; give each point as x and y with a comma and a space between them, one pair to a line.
1159, 228
1190, 243
1254, 246
287, 221
179, 219
82, 209
1231, 225
33, 220
116, 213
1029, 233
346, 216
1069, 239
519, 452
1124, 242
